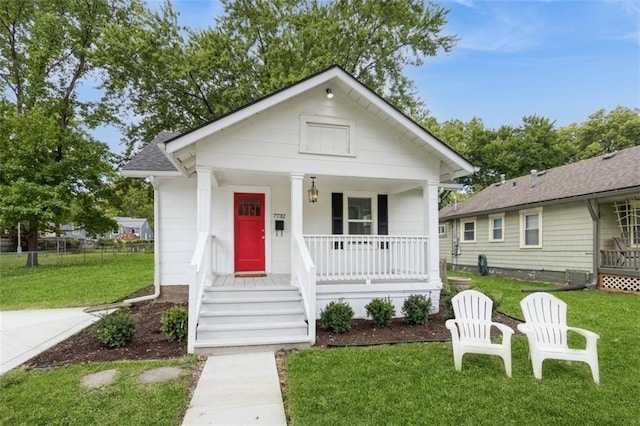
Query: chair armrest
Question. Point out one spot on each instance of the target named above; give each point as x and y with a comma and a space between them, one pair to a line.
505, 329
450, 324
592, 338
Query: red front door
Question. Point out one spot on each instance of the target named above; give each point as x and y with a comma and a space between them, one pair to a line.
249, 232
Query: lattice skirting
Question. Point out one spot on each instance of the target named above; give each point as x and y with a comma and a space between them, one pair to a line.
619, 283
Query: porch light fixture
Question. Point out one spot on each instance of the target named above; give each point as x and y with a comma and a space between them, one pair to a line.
329, 94
313, 191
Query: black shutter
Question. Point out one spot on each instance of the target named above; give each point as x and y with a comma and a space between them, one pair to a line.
383, 215
383, 218
336, 213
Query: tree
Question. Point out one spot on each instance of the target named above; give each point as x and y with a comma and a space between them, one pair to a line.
176, 79
608, 132
51, 170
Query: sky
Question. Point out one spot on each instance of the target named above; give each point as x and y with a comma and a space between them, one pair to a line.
559, 59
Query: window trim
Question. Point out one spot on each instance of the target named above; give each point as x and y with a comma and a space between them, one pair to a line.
442, 229
462, 230
491, 228
374, 211
308, 121
523, 216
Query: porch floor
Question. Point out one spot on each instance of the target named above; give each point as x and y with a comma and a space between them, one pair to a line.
270, 280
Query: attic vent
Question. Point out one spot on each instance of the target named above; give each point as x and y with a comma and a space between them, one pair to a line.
609, 155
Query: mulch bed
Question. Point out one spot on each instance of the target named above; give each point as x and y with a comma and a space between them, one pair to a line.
150, 343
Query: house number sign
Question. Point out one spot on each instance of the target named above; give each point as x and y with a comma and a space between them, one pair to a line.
278, 215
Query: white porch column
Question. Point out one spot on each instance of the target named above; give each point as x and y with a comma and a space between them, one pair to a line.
296, 211
203, 202
430, 199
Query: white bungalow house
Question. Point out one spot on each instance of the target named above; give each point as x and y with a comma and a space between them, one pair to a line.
578, 223
317, 192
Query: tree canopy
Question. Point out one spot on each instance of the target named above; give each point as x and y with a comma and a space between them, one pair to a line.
175, 79
51, 170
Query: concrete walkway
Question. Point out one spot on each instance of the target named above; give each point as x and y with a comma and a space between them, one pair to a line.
24, 334
238, 389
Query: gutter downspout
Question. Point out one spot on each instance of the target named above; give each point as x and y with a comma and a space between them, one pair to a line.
594, 211
156, 247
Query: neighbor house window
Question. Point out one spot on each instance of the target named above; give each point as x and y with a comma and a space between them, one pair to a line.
496, 227
469, 231
442, 230
531, 228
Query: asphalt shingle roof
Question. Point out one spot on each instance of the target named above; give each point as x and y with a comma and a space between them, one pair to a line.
150, 158
611, 172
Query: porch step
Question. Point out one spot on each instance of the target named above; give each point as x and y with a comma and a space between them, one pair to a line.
248, 316
253, 330
242, 317
231, 346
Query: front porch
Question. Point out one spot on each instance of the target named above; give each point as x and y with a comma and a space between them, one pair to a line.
232, 311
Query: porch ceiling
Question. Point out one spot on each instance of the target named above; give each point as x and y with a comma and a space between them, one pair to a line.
383, 186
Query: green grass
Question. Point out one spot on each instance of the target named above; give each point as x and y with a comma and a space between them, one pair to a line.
417, 383
56, 397
76, 280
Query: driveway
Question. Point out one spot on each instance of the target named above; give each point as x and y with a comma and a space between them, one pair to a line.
24, 334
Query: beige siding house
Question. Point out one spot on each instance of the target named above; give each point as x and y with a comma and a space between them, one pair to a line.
578, 224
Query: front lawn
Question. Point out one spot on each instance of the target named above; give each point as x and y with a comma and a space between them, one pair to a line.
417, 384
74, 281
56, 397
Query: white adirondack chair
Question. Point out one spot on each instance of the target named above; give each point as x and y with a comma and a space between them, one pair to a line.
471, 328
546, 329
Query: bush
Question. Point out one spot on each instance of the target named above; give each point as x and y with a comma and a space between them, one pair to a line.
337, 316
415, 309
115, 330
175, 323
381, 310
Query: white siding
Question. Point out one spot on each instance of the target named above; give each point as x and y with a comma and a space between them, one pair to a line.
176, 228
270, 142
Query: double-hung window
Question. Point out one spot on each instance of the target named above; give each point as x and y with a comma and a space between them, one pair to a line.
496, 227
531, 228
469, 230
360, 215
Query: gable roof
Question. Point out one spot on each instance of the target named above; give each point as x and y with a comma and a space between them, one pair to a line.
177, 148
616, 173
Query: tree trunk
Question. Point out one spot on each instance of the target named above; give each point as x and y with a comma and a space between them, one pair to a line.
32, 247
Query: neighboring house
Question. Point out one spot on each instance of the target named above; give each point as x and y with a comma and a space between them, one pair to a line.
322, 186
131, 228
576, 223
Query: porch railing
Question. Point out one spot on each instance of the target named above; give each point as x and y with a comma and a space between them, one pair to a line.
620, 259
201, 270
305, 276
369, 257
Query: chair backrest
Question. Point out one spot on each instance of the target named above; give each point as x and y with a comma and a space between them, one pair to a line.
472, 310
622, 246
547, 315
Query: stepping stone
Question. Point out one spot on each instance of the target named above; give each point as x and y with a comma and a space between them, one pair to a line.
101, 378
162, 374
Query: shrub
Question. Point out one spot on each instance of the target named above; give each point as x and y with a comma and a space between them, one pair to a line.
115, 330
174, 323
415, 309
381, 311
336, 316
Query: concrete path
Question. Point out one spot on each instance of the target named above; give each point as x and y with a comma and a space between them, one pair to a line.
24, 334
239, 389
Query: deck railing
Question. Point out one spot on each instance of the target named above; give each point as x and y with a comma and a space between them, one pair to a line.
620, 259
369, 257
305, 276
201, 271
